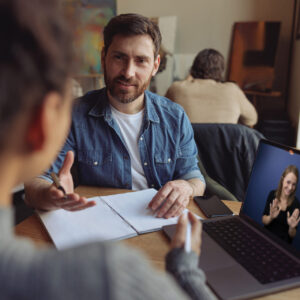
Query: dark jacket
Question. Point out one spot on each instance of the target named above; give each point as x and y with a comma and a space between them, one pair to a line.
227, 152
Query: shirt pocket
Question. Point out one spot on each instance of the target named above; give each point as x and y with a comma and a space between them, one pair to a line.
94, 158
165, 164
95, 168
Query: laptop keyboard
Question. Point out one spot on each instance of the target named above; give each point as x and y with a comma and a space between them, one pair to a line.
258, 256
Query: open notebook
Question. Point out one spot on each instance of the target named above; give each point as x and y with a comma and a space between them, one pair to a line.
114, 217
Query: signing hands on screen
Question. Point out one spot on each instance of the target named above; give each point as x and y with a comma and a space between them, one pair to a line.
292, 219
70, 201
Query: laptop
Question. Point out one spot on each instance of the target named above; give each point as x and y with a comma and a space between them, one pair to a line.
240, 255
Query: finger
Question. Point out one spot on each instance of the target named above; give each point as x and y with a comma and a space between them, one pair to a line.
70, 198
179, 237
159, 198
179, 212
55, 194
177, 208
69, 201
169, 202
196, 224
176, 213
174, 210
74, 202
196, 233
288, 214
80, 206
67, 165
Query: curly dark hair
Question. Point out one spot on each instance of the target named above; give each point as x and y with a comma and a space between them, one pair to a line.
131, 24
36, 56
208, 64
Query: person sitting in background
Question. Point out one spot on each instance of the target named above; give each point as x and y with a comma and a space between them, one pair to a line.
206, 98
36, 108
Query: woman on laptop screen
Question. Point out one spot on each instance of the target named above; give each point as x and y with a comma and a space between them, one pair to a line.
281, 213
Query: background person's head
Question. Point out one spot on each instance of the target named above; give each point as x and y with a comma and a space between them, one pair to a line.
208, 64
288, 183
35, 64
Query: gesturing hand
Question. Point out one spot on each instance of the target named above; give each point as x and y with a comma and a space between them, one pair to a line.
73, 201
293, 219
274, 209
172, 198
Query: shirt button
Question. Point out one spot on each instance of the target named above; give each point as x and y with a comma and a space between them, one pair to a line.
152, 185
141, 138
145, 164
169, 159
95, 163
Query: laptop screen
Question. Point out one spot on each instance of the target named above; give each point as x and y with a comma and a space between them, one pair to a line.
273, 193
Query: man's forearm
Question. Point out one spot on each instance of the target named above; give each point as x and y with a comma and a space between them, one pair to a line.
36, 194
198, 186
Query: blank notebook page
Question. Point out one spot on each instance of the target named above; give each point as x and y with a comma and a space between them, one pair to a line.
97, 223
133, 208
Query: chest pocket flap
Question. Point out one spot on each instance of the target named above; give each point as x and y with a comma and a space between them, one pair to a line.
94, 157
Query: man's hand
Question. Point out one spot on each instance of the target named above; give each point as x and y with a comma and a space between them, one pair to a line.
71, 201
179, 237
172, 199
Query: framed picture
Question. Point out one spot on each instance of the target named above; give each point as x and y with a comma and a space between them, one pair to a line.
89, 18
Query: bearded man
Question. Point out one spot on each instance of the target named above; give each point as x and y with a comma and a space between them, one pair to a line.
124, 136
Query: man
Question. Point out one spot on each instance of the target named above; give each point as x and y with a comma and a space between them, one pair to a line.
124, 136
37, 54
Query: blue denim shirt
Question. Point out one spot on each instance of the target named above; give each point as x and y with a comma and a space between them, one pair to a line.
166, 144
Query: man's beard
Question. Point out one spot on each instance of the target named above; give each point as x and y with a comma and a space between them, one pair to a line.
124, 96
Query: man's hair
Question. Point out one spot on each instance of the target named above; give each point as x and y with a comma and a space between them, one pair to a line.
130, 25
208, 64
289, 169
35, 56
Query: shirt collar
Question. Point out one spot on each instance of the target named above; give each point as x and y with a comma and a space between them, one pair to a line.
102, 108
150, 111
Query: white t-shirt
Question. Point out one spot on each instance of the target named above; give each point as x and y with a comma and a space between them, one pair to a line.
130, 126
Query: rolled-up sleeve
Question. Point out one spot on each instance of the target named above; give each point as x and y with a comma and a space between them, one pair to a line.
187, 162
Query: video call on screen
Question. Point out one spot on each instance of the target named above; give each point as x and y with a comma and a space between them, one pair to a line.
273, 194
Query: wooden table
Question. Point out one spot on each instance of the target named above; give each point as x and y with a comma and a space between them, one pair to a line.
154, 245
